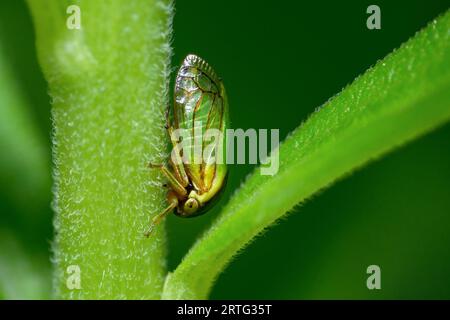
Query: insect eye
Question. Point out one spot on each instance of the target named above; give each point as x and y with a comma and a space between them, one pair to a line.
191, 205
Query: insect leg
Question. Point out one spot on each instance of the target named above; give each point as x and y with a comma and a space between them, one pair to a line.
157, 219
173, 181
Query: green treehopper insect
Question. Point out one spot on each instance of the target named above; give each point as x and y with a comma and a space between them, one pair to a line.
200, 105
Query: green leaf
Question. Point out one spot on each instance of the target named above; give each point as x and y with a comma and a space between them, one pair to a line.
108, 83
402, 97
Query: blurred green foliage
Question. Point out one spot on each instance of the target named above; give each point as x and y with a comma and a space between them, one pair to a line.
279, 61
25, 161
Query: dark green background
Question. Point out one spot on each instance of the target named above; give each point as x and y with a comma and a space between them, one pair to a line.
280, 60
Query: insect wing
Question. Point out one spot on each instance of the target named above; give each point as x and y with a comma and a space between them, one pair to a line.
199, 105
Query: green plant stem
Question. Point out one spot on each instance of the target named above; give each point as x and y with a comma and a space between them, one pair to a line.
403, 96
108, 83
